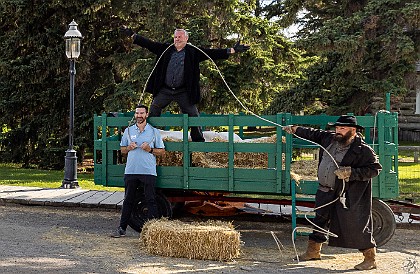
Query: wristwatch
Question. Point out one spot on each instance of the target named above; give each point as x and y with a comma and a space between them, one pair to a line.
151, 150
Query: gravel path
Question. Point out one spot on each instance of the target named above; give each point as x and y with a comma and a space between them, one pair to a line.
74, 240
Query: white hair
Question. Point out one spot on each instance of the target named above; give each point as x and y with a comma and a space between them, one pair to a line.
183, 30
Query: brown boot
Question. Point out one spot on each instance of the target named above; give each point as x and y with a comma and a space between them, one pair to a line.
369, 261
313, 252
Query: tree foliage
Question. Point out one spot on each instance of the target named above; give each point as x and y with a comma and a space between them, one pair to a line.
111, 72
345, 53
366, 48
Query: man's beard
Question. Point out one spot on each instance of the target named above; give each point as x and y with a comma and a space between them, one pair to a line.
140, 120
343, 139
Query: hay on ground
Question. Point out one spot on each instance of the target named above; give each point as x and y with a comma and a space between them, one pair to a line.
211, 240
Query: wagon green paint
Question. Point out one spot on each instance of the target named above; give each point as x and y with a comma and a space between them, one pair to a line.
275, 180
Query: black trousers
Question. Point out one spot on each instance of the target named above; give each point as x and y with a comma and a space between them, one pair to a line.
322, 216
132, 182
165, 97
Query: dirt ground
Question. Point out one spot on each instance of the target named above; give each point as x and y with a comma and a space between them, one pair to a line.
75, 240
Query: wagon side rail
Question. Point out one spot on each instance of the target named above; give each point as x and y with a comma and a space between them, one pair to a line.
381, 133
272, 179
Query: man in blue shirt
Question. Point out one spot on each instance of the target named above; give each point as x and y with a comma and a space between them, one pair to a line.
141, 142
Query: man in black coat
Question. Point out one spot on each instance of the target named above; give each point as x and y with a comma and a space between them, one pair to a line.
350, 217
177, 73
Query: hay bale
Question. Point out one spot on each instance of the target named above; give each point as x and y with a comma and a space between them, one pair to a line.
255, 160
305, 169
212, 240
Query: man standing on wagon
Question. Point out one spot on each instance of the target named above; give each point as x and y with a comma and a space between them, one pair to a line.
177, 73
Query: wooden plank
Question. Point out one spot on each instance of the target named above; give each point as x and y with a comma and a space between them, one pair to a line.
72, 193
39, 197
15, 188
113, 200
5, 190
95, 199
75, 201
46, 195
61, 196
21, 195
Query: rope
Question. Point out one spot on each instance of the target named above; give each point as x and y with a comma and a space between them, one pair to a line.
147, 81
374, 125
279, 244
340, 197
148, 78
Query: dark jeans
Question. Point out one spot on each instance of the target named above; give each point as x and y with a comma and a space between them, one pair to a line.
132, 182
322, 216
165, 97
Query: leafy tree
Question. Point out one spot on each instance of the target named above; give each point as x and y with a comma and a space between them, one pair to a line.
271, 64
366, 48
111, 72
34, 79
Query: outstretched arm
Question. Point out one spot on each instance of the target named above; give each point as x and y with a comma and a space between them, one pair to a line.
239, 47
154, 47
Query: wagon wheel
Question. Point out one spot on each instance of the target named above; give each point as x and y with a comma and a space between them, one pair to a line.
383, 222
177, 207
139, 214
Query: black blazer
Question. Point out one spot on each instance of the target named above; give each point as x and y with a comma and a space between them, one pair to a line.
193, 57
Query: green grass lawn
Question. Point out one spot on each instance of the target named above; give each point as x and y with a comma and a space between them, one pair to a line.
14, 175
409, 180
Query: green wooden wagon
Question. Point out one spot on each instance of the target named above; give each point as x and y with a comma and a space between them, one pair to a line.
272, 184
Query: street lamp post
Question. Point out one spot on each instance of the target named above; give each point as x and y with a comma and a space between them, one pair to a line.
72, 37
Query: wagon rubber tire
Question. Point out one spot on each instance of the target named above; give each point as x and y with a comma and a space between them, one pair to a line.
139, 215
384, 223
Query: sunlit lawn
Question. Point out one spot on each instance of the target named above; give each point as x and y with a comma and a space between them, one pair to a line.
409, 179
14, 175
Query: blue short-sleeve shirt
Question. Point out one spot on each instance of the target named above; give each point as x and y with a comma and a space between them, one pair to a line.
140, 161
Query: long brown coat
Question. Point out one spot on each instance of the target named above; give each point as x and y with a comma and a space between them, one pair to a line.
353, 225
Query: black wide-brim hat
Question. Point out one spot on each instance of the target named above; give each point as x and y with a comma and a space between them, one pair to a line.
346, 121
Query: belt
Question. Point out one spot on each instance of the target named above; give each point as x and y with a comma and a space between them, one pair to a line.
326, 187
175, 88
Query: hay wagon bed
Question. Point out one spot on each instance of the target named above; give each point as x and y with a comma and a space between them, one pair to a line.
273, 183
